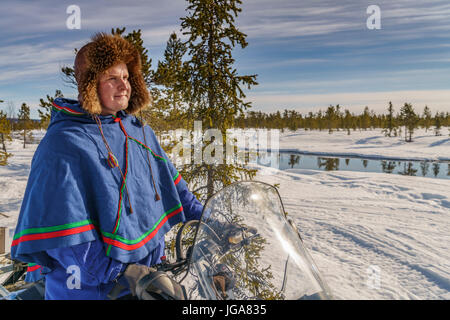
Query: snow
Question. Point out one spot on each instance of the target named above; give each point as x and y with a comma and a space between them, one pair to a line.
372, 235
370, 144
355, 222
14, 177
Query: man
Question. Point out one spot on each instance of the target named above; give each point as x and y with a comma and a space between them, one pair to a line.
101, 192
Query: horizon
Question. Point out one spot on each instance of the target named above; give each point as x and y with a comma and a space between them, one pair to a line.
307, 54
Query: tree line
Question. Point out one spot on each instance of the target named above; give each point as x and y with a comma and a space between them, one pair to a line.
336, 119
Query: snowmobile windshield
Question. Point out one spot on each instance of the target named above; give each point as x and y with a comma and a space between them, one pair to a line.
246, 249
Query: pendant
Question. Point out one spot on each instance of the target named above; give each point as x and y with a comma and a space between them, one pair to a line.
112, 160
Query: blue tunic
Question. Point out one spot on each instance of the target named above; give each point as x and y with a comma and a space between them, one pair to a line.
79, 211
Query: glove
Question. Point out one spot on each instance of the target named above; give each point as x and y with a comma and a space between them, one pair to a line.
135, 272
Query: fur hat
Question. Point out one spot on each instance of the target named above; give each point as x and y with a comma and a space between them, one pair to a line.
102, 53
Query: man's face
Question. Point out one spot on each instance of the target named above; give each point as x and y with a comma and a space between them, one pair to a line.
114, 90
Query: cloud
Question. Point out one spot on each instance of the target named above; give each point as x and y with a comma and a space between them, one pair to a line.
337, 21
419, 79
24, 61
297, 28
41, 53
50, 16
301, 49
159, 35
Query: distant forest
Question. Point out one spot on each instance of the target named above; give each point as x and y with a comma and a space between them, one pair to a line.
335, 119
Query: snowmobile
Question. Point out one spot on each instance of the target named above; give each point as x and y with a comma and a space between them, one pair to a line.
243, 248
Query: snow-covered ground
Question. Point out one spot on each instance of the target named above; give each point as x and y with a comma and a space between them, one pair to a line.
371, 144
14, 177
372, 235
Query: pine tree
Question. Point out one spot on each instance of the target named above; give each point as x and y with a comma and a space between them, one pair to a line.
348, 121
447, 121
365, 118
373, 119
45, 115
409, 120
330, 116
319, 121
5, 130
5, 136
171, 74
68, 75
25, 123
427, 118
390, 121
213, 90
437, 124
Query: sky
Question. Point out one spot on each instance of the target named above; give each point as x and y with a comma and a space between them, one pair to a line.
307, 54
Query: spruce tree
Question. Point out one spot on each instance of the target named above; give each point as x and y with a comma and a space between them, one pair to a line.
172, 76
5, 130
437, 124
47, 106
390, 121
338, 117
213, 90
365, 118
447, 121
409, 120
427, 118
348, 121
330, 116
25, 123
5, 136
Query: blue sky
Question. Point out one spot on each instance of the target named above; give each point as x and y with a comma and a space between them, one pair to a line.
307, 54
